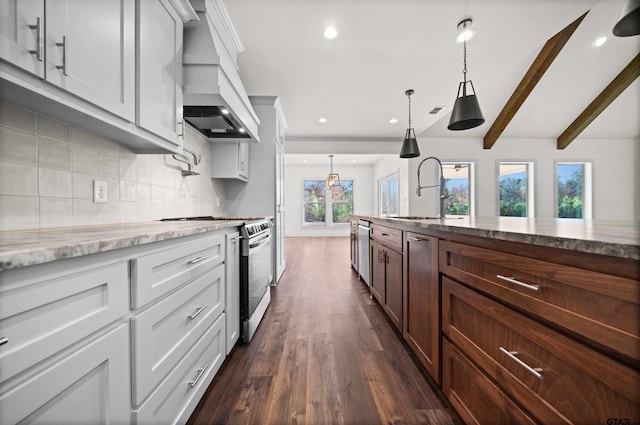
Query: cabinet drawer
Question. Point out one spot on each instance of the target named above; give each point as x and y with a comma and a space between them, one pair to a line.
90, 386
475, 397
166, 331
552, 376
161, 272
174, 400
602, 308
45, 309
390, 237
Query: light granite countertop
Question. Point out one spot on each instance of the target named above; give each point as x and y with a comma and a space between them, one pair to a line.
613, 238
30, 247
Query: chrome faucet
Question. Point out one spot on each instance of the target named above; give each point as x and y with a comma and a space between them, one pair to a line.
444, 194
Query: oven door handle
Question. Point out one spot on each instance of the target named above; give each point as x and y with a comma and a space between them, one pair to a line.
260, 242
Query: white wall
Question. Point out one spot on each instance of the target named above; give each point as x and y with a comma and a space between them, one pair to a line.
363, 197
47, 170
615, 182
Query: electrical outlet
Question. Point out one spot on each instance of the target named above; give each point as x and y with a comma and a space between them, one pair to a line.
99, 191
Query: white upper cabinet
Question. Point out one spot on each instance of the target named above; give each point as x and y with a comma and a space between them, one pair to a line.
230, 161
90, 51
22, 34
159, 78
85, 48
112, 67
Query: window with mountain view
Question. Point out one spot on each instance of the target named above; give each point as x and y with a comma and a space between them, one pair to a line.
573, 190
327, 206
515, 189
458, 178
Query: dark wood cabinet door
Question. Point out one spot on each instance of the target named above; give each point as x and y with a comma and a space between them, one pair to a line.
393, 289
421, 305
377, 277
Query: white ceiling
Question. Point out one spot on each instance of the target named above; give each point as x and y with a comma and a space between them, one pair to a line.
357, 81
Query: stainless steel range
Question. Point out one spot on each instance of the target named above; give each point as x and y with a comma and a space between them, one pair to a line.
255, 275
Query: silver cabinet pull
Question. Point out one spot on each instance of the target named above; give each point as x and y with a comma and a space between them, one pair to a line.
412, 239
63, 67
200, 373
535, 288
4, 340
535, 371
39, 36
197, 313
197, 260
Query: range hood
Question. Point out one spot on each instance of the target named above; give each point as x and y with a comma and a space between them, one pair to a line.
215, 101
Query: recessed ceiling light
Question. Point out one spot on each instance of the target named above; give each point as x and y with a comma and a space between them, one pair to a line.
330, 32
241, 130
304, 160
393, 120
354, 160
225, 111
600, 41
322, 120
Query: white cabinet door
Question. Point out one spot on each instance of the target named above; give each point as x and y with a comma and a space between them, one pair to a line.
22, 34
230, 161
90, 51
243, 160
89, 386
233, 289
159, 70
279, 213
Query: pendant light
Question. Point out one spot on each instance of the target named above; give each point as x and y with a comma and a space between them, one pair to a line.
409, 145
466, 112
629, 22
333, 179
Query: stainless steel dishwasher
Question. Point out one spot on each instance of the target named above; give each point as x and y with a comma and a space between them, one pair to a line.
364, 266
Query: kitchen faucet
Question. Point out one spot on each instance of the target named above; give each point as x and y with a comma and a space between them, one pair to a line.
443, 189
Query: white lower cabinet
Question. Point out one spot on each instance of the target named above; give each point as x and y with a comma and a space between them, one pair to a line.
90, 385
165, 332
76, 349
232, 269
176, 397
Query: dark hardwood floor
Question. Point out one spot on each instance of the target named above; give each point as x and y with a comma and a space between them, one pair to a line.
323, 354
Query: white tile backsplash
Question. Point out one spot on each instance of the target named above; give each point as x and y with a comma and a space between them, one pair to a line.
54, 154
18, 212
18, 179
18, 146
47, 170
54, 183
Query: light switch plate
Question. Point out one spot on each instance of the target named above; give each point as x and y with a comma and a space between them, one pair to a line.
99, 191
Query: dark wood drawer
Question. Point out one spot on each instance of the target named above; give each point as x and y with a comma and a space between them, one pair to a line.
575, 383
474, 396
598, 307
390, 237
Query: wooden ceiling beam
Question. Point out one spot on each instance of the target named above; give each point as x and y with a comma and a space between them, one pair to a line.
545, 58
601, 102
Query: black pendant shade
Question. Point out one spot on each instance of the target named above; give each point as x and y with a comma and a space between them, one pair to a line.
629, 22
466, 111
410, 145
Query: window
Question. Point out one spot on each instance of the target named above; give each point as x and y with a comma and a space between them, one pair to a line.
327, 206
573, 195
458, 181
515, 188
388, 195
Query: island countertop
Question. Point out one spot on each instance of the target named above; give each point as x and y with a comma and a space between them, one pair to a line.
613, 238
22, 248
